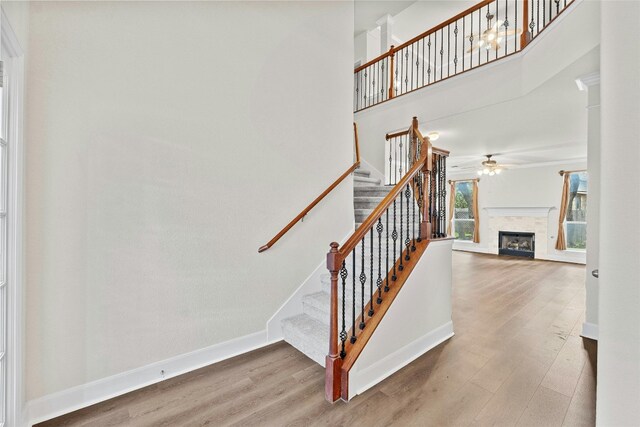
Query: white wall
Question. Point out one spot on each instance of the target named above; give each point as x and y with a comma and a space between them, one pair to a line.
525, 187
618, 391
424, 302
167, 142
590, 326
15, 16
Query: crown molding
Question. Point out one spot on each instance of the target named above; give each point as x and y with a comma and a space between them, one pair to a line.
586, 81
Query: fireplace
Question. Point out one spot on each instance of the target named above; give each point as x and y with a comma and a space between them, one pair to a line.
516, 244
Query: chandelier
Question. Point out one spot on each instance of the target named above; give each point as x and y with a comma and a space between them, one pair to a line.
490, 167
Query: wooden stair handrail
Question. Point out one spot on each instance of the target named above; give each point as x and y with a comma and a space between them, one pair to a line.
432, 30
336, 366
317, 200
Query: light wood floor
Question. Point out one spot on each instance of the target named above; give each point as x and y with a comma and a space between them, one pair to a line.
516, 359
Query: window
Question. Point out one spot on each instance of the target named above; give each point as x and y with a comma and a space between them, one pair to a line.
463, 220
576, 220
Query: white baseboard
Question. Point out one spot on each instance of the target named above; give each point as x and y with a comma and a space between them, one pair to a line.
72, 399
589, 330
400, 358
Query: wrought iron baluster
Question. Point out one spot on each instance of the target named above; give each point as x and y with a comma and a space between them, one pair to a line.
532, 24
363, 280
400, 196
371, 272
413, 207
366, 91
353, 297
407, 239
448, 50
443, 192
441, 53
488, 28
479, 34
406, 67
394, 236
455, 56
538, 17
379, 229
420, 204
412, 81
343, 332
429, 60
423, 59
515, 19
400, 171
390, 170
471, 42
386, 283
463, 40
497, 28
506, 25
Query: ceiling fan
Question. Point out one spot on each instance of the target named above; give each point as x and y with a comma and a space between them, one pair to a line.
490, 167
491, 38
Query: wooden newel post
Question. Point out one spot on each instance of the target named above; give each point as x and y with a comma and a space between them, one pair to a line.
392, 90
425, 227
333, 362
525, 36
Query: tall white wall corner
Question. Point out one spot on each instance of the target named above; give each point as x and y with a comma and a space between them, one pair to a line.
591, 83
418, 320
618, 391
72, 399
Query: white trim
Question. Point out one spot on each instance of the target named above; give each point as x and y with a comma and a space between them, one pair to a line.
588, 80
589, 330
517, 211
72, 399
400, 358
15, 164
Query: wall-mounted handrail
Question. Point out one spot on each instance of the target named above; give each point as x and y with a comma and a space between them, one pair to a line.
486, 32
318, 199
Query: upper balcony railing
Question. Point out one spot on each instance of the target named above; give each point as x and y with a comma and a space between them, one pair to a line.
486, 32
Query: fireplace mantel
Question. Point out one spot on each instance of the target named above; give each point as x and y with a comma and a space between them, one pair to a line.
519, 211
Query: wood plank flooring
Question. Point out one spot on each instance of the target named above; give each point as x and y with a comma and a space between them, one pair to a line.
516, 359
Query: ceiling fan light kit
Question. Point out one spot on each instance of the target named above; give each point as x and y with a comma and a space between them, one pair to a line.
490, 167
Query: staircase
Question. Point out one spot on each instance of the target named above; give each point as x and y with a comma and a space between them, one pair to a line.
309, 330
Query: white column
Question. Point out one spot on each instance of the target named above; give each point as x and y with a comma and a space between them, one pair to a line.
591, 83
618, 394
386, 32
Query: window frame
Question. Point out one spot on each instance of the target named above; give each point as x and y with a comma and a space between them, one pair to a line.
565, 223
454, 219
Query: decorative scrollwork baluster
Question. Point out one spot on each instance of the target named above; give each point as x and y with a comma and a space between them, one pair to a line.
379, 229
353, 297
363, 280
343, 332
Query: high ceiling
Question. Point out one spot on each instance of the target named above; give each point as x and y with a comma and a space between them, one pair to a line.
545, 126
367, 12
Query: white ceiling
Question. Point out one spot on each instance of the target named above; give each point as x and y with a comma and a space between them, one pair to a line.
547, 125
367, 12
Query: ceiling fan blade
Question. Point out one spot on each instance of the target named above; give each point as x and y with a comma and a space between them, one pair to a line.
504, 33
